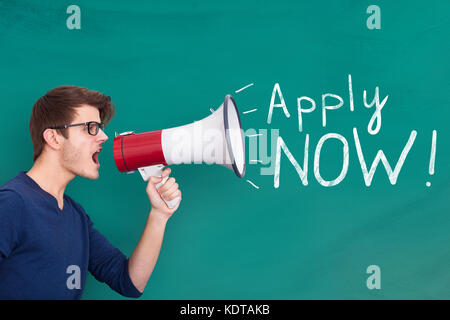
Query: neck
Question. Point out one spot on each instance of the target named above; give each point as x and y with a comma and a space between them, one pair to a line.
51, 177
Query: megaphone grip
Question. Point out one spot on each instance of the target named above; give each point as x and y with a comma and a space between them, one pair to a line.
170, 203
156, 171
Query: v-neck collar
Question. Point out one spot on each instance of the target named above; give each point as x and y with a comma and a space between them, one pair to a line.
49, 197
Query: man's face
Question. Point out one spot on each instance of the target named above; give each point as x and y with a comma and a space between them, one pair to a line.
80, 150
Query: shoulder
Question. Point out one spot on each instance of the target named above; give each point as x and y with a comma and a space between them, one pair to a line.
16, 189
14, 197
11, 205
10, 197
14, 184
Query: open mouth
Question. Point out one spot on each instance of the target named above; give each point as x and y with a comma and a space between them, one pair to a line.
95, 157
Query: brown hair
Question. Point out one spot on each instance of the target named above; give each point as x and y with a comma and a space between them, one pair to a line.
57, 108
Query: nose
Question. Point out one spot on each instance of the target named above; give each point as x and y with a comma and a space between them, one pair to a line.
102, 135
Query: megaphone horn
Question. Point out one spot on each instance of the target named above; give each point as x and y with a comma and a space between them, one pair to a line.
217, 139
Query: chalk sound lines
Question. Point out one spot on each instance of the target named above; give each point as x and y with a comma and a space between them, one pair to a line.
249, 111
254, 185
243, 88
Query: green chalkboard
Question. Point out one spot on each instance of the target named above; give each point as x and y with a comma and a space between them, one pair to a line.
267, 235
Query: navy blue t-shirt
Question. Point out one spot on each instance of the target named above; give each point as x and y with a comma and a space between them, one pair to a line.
46, 252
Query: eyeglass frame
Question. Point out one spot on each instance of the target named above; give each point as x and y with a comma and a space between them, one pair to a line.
99, 126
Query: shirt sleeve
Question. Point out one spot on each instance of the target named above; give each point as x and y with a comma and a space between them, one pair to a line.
108, 264
11, 208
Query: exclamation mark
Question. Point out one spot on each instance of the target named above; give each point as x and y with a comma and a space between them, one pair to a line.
432, 156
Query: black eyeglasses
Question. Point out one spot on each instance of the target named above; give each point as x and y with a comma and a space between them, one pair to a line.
92, 126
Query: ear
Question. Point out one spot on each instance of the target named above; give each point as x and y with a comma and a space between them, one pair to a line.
53, 139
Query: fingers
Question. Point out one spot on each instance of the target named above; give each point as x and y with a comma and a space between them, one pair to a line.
153, 181
169, 186
171, 193
171, 196
169, 190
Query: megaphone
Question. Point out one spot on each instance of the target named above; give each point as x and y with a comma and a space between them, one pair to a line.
216, 139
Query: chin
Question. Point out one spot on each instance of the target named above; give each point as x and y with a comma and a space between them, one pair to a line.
95, 176
91, 176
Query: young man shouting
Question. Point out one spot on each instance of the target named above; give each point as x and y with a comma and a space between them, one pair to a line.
47, 241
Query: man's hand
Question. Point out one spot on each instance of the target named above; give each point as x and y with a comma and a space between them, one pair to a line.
143, 259
168, 191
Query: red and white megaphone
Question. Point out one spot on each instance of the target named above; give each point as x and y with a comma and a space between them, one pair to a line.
217, 139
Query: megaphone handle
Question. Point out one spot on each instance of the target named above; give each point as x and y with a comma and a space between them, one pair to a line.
156, 171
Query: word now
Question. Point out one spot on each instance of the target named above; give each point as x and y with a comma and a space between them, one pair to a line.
368, 174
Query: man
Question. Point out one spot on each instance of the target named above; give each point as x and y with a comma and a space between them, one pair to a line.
47, 241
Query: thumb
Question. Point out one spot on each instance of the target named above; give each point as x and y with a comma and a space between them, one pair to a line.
155, 180
152, 182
